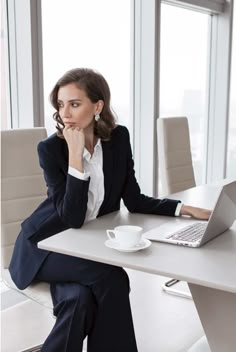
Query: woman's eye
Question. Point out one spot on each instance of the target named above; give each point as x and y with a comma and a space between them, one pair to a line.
59, 105
75, 105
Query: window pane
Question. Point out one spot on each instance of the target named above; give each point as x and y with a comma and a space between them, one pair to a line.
183, 75
231, 160
91, 33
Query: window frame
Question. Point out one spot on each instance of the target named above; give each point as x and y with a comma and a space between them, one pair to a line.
210, 6
25, 63
219, 94
146, 92
5, 65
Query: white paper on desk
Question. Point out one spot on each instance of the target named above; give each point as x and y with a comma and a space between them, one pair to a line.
167, 228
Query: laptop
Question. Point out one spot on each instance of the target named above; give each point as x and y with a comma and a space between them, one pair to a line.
186, 232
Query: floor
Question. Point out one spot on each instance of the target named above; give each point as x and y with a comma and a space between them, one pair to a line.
163, 322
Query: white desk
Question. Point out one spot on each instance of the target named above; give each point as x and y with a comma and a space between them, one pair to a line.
210, 270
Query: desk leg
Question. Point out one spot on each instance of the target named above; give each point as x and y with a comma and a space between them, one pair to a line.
217, 312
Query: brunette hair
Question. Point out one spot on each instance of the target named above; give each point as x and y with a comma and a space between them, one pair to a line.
96, 88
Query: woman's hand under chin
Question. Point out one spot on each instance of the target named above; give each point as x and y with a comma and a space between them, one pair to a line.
197, 213
75, 140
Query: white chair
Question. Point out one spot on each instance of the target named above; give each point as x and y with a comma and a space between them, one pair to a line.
23, 189
175, 166
174, 152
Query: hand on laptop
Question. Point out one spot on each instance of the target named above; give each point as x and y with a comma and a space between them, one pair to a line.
197, 213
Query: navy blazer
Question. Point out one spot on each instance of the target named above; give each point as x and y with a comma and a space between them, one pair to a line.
66, 204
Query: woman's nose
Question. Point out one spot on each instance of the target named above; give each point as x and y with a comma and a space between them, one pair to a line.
65, 112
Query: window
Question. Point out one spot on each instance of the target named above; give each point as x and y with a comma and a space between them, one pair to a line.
93, 34
5, 95
184, 75
231, 159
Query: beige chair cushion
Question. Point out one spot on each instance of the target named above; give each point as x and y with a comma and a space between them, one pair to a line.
174, 152
38, 292
22, 182
23, 189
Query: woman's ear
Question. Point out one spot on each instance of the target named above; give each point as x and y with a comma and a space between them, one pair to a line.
99, 106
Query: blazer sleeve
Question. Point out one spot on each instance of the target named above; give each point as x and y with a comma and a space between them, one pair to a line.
134, 200
68, 193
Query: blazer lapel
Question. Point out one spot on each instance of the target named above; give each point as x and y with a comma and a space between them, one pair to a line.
64, 155
107, 168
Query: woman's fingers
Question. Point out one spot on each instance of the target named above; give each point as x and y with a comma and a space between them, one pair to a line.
195, 212
75, 140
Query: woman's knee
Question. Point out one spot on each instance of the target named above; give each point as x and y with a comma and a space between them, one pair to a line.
69, 293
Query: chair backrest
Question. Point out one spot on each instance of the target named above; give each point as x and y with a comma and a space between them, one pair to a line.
22, 182
174, 152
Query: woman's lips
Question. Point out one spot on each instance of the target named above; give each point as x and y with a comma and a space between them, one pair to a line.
69, 123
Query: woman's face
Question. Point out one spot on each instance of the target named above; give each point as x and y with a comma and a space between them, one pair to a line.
75, 108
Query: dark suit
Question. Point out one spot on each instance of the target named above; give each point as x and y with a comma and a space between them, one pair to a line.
66, 204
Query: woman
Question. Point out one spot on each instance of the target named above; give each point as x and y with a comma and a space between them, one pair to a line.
88, 169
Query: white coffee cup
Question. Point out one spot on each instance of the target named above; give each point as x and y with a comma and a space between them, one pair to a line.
126, 236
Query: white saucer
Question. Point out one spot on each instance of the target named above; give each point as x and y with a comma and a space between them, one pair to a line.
144, 243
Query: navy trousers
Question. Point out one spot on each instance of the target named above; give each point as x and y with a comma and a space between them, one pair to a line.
90, 299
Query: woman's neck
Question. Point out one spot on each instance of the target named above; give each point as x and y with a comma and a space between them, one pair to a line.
90, 141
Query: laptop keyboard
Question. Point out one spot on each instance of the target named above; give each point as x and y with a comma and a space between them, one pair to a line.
190, 233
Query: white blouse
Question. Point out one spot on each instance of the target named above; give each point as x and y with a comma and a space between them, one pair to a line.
93, 168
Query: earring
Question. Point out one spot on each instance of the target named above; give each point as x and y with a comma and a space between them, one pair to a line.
97, 117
